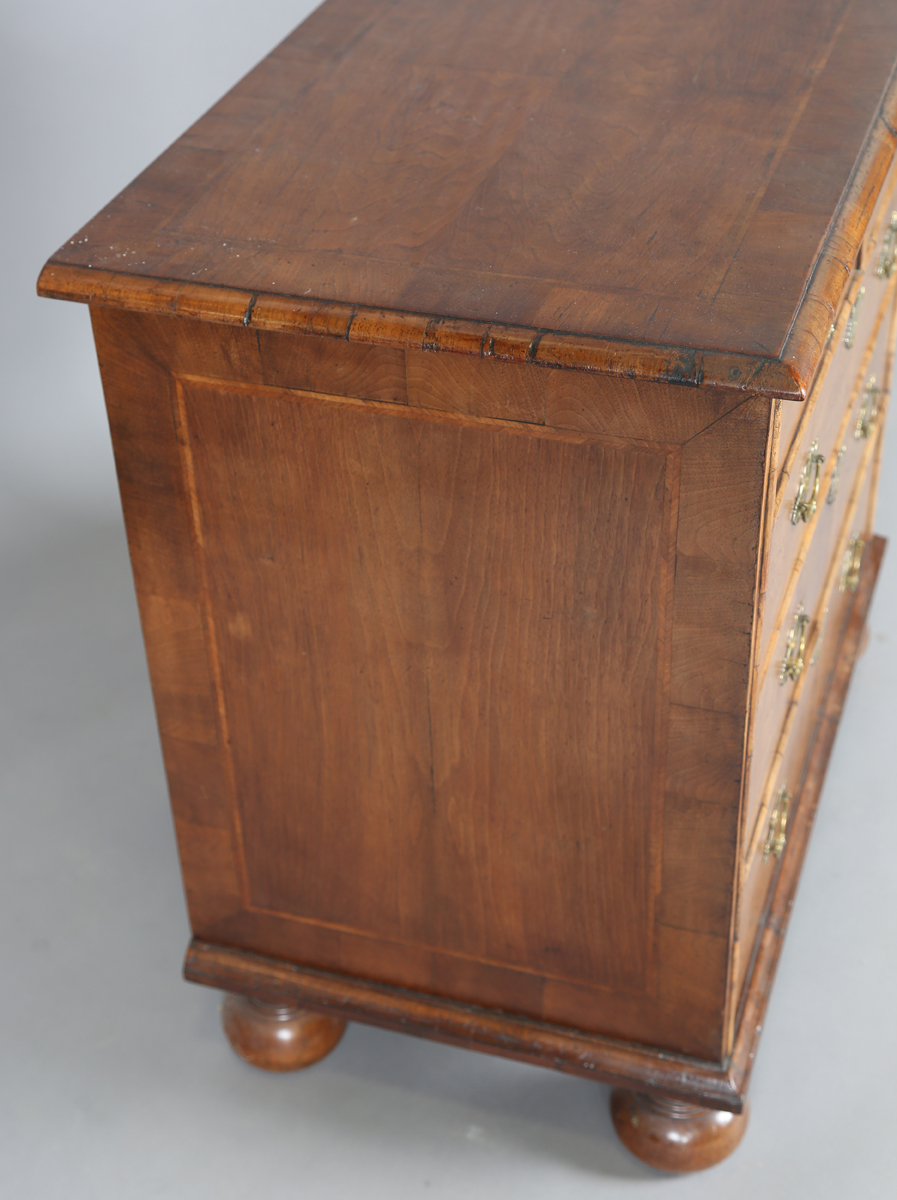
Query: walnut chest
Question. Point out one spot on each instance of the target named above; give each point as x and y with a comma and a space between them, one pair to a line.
497, 392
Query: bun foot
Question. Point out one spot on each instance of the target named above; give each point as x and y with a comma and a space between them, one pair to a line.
672, 1135
278, 1037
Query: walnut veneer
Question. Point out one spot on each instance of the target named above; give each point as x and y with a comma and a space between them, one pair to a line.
496, 393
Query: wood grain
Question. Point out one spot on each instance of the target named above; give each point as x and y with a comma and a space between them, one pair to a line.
464, 603
715, 1085
196, 541
414, 166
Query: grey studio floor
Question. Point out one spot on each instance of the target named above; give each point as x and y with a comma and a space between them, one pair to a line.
116, 1081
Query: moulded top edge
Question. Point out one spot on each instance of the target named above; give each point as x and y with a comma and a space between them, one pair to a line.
415, 331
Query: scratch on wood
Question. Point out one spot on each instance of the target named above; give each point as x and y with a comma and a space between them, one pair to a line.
247, 316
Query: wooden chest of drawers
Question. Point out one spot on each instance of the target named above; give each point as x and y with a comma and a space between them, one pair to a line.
497, 395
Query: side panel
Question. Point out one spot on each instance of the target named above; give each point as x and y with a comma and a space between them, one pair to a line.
452, 674
434, 642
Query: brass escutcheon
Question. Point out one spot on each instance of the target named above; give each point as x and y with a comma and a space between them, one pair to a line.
808, 488
887, 260
777, 834
850, 329
868, 410
793, 662
836, 477
853, 560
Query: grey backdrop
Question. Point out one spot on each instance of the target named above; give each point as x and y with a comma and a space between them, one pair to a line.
116, 1081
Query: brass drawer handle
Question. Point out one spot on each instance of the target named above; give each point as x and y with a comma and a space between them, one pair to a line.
793, 662
777, 834
853, 560
850, 329
836, 477
808, 488
868, 410
888, 258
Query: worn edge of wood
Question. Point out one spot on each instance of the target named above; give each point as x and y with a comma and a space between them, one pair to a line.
420, 331
714, 1085
788, 377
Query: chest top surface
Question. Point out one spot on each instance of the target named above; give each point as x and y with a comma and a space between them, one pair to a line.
641, 181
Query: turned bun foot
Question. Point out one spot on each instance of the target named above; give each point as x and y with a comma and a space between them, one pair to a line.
672, 1135
278, 1037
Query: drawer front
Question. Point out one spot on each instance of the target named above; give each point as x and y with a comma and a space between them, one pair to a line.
812, 561
879, 251
785, 710
787, 769
856, 320
757, 880
849, 341
827, 452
